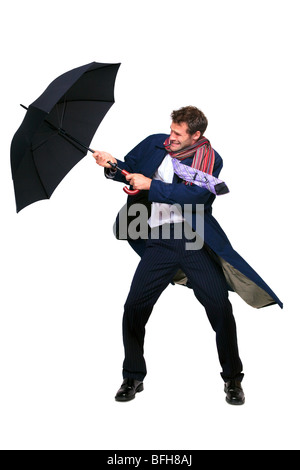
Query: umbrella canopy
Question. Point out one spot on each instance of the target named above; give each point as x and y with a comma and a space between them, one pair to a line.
200, 178
43, 150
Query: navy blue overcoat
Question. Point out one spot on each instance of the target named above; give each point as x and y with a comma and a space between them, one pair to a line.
145, 158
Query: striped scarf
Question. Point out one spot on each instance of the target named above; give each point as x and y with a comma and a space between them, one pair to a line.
204, 155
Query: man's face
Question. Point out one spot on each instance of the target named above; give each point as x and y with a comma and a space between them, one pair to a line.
180, 138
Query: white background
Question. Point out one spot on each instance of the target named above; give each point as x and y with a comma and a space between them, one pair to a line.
64, 278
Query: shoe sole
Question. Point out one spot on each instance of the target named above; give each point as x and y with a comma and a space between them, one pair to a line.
235, 403
138, 390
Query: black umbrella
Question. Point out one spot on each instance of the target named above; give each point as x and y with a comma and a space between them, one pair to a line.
48, 145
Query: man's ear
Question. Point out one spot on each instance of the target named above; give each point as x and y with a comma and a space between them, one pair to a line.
196, 136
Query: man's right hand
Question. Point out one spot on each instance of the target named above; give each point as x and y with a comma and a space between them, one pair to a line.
102, 159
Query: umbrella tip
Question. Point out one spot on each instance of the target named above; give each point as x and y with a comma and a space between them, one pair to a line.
22, 106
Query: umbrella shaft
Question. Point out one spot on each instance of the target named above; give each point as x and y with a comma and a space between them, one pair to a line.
63, 133
114, 165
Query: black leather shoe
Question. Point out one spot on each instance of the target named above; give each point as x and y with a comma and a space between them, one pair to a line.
128, 390
234, 393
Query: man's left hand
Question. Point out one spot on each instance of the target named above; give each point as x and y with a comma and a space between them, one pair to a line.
138, 181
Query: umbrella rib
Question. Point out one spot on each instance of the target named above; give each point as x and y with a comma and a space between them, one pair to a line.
41, 181
63, 112
83, 100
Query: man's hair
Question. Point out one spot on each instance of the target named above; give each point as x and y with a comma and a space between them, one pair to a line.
193, 117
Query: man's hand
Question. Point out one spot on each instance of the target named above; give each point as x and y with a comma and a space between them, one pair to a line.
103, 157
139, 181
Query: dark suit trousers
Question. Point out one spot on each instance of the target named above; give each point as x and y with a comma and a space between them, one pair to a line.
160, 262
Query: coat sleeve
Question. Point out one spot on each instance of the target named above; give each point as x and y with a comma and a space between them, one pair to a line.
131, 160
179, 193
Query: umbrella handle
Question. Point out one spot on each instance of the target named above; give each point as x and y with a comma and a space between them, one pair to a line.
130, 192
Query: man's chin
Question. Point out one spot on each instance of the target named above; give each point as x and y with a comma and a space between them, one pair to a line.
175, 147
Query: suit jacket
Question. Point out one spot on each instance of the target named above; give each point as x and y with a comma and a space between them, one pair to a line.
145, 158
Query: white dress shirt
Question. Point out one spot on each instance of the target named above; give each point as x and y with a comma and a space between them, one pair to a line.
162, 213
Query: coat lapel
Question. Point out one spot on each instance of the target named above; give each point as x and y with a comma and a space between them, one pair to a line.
151, 165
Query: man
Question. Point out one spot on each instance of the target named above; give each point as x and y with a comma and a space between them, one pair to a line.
210, 269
